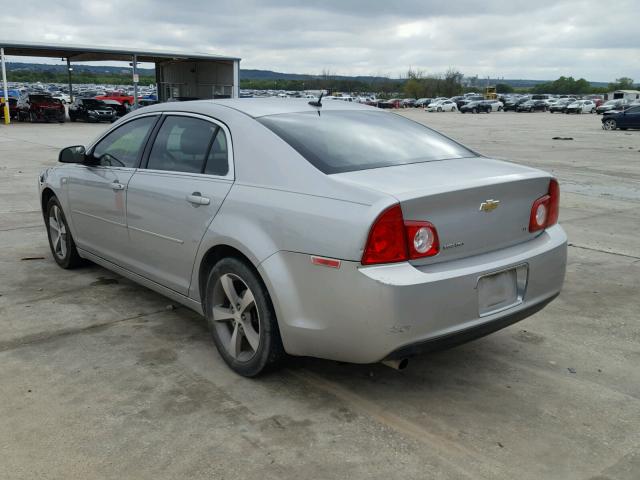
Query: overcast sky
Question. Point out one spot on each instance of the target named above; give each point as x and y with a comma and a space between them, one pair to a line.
533, 39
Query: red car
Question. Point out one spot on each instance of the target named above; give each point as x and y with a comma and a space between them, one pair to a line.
37, 106
119, 97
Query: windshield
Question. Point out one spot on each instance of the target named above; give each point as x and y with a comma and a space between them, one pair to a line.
345, 141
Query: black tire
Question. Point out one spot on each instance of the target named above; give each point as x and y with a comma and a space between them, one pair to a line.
70, 258
270, 352
32, 117
72, 119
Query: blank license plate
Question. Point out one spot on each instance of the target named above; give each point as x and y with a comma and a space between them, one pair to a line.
498, 291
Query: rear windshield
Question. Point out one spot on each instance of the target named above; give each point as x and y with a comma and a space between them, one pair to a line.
345, 141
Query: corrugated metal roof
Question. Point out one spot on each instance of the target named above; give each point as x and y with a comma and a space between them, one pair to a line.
84, 53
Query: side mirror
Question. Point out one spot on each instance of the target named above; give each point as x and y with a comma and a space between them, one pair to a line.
75, 154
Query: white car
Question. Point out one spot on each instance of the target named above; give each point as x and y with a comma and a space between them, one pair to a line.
442, 106
63, 97
496, 105
581, 106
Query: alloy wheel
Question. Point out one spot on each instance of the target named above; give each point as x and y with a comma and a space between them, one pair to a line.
609, 124
236, 317
58, 232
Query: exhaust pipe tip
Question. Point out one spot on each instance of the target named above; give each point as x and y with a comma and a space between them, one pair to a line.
400, 364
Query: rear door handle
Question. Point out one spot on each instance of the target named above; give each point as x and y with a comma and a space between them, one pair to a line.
196, 198
117, 186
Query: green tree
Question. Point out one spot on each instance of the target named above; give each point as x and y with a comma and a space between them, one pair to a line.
622, 83
504, 88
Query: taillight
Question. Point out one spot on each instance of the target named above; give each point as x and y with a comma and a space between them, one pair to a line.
391, 239
422, 239
545, 210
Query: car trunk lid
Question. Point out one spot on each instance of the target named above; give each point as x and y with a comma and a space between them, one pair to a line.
477, 204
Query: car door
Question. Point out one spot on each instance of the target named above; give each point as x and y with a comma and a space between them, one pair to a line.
630, 118
96, 192
171, 202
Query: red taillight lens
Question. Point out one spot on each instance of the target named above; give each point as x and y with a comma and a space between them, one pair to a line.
391, 239
545, 210
387, 240
554, 202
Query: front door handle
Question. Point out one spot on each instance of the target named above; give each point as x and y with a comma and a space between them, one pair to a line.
117, 185
196, 198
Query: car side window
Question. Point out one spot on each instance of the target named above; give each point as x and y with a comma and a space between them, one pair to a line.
182, 145
122, 147
218, 159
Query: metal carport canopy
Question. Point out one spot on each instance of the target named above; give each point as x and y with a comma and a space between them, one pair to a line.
87, 53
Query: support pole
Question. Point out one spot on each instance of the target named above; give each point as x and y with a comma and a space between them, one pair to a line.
135, 81
70, 85
236, 79
7, 120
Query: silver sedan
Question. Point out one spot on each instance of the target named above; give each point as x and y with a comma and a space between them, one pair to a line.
331, 230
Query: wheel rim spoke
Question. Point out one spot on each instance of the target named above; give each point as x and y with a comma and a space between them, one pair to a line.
229, 289
251, 335
235, 342
53, 224
63, 247
246, 301
56, 213
222, 314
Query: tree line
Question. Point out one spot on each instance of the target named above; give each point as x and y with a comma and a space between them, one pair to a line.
417, 83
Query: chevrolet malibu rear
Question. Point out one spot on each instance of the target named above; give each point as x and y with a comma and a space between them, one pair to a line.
333, 230
454, 247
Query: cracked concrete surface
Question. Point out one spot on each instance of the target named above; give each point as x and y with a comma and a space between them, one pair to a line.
100, 380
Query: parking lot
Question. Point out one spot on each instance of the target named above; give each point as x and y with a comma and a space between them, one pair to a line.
102, 378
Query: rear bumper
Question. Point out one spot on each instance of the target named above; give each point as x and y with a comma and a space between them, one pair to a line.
466, 335
366, 314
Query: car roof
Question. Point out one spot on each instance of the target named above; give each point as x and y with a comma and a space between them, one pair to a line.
258, 107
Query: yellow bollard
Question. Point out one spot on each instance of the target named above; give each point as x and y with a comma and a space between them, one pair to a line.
7, 120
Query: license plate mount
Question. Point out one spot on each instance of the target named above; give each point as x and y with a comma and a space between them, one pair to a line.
501, 290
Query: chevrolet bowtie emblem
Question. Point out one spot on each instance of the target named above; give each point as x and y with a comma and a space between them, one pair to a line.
489, 205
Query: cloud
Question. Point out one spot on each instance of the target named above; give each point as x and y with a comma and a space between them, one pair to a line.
516, 39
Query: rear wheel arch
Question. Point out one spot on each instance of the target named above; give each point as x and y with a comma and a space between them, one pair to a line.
213, 256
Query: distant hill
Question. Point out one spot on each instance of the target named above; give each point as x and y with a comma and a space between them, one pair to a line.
77, 67
251, 74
